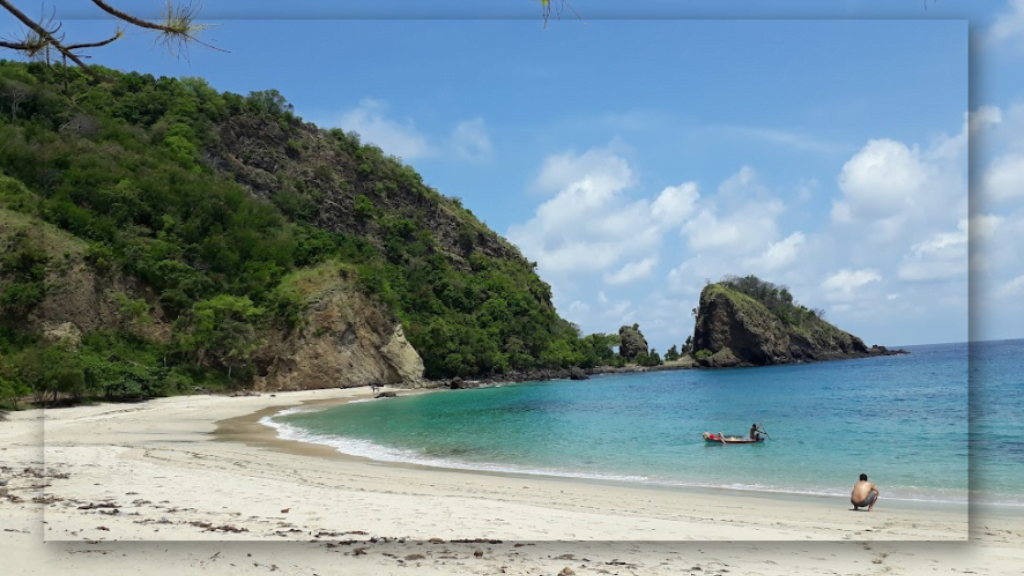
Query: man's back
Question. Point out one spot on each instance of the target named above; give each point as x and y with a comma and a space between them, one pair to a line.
861, 490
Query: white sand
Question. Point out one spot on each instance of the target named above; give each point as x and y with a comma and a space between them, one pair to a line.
189, 501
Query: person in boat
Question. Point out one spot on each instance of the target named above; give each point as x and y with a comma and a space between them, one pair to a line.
754, 432
864, 494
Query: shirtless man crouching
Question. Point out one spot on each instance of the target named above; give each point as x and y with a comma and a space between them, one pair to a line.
864, 494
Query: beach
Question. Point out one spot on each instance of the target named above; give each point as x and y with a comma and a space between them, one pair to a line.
195, 483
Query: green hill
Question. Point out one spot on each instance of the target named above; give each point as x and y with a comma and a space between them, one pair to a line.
198, 219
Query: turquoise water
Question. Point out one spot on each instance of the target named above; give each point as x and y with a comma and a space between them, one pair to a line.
903, 420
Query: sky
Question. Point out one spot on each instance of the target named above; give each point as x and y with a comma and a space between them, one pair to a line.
659, 145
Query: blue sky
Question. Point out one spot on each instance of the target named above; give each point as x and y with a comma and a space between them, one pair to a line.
818, 145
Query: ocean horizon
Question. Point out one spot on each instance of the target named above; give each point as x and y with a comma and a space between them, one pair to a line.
903, 420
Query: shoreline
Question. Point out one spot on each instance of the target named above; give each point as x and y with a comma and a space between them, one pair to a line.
250, 429
156, 475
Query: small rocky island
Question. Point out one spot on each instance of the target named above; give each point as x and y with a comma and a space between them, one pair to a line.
750, 322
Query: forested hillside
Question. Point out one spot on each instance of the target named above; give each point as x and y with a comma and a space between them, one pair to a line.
192, 214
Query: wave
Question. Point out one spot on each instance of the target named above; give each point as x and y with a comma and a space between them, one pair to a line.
379, 452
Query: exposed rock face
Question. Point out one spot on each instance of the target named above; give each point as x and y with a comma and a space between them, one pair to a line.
632, 342
347, 341
739, 331
65, 333
257, 152
576, 373
78, 299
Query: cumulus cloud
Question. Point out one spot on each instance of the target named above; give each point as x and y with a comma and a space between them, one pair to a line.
1009, 25
942, 256
400, 138
778, 254
470, 140
844, 284
879, 180
747, 229
984, 226
592, 224
1011, 287
632, 271
600, 166
1003, 180
984, 117
675, 203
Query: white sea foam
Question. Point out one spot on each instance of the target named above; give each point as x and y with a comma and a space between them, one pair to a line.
374, 451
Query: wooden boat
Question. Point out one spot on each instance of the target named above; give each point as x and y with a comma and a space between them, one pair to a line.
713, 438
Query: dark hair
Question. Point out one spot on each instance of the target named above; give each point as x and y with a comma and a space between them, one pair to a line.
864, 477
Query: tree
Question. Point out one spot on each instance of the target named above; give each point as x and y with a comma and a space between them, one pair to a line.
12, 390
672, 354
687, 347
221, 331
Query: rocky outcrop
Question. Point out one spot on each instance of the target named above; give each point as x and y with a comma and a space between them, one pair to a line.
631, 342
733, 329
345, 340
260, 154
78, 298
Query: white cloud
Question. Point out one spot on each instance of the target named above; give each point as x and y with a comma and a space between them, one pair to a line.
1011, 288
843, 284
632, 271
778, 254
741, 232
619, 310
675, 203
1004, 179
796, 140
600, 166
879, 180
942, 256
893, 193
984, 226
602, 298
738, 182
590, 224
1008, 25
470, 140
984, 117
400, 139
578, 309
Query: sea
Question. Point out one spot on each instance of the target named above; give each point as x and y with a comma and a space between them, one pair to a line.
940, 424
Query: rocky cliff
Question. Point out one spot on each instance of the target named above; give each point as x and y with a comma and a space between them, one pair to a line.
631, 342
342, 338
735, 329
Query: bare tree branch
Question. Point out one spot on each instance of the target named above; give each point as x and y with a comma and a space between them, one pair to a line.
546, 11
116, 35
46, 35
177, 28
